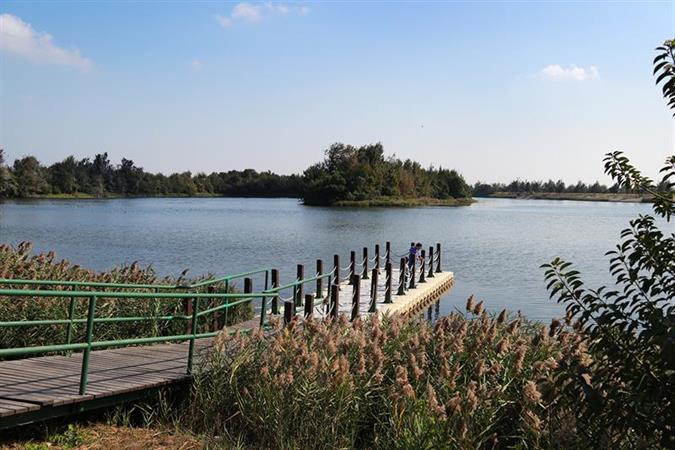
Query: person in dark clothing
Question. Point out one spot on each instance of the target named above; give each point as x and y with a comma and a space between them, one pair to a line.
414, 253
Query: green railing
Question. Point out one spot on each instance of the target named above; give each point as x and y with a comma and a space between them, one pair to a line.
131, 291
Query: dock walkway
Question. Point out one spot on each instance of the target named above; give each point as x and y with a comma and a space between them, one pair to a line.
32, 389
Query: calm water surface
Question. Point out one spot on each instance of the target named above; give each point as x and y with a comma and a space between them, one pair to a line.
495, 247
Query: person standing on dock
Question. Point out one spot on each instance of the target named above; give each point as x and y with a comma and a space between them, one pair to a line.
413, 253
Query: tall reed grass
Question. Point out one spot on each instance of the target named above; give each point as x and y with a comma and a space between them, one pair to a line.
20, 263
465, 382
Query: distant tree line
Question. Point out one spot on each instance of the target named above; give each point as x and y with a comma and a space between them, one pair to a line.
98, 177
532, 187
350, 173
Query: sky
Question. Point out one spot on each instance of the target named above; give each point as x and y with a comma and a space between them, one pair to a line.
495, 90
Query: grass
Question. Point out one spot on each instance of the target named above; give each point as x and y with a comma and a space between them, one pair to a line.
405, 202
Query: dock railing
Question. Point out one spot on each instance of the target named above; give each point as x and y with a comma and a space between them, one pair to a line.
195, 295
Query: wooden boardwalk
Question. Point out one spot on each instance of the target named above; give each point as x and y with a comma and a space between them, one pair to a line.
33, 388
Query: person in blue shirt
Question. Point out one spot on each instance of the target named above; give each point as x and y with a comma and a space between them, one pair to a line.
413, 253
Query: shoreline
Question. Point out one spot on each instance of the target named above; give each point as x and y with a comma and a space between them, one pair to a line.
574, 196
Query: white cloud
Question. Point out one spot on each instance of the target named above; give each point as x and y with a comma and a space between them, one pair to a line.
223, 21
572, 72
258, 12
196, 66
18, 37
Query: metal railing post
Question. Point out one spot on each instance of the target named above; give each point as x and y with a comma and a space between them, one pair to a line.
71, 316
387, 252
91, 314
193, 332
411, 264
352, 265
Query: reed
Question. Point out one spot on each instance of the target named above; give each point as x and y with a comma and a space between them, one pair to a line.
20, 263
464, 382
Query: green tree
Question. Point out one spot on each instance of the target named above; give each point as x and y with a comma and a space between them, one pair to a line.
30, 177
624, 394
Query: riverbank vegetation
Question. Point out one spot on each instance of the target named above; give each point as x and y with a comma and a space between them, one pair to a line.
20, 263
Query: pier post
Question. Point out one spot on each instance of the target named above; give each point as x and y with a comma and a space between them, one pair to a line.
431, 262
309, 306
401, 278
412, 273
377, 256
334, 302
275, 284
387, 252
299, 287
356, 295
352, 265
373, 292
423, 267
289, 311
319, 281
364, 273
387, 283
216, 315
438, 258
336, 271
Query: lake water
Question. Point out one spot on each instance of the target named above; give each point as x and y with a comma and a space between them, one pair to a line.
494, 247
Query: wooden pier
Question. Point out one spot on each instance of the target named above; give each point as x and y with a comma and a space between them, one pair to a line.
39, 388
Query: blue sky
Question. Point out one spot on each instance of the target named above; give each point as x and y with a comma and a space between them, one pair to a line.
496, 90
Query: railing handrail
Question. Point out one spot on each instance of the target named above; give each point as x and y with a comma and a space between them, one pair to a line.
124, 294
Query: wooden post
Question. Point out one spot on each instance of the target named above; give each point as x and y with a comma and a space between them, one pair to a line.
438, 258
423, 267
431, 262
248, 288
373, 292
377, 256
387, 252
289, 311
334, 302
309, 306
336, 271
352, 265
411, 264
319, 281
364, 273
275, 284
263, 300
387, 283
356, 295
401, 278
300, 288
